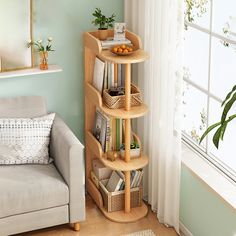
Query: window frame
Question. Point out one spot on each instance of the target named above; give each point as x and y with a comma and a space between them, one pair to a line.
226, 170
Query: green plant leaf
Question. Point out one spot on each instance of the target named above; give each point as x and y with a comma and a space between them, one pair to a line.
229, 95
227, 108
223, 128
210, 128
225, 125
216, 137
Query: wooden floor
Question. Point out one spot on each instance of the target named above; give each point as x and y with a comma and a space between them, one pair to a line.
97, 225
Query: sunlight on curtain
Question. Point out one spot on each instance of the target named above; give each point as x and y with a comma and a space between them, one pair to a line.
160, 25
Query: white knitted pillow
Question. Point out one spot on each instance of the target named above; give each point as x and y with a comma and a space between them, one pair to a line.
25, 140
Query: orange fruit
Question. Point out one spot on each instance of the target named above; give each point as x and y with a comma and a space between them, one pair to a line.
115, 49
130, 49
120, 50
123, 46
125, 50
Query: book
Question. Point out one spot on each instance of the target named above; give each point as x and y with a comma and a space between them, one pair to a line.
123, 133
119, 82
136, 174
121, 174
118, 125
98, 74
113, 134
140, 178
105, 82
114, 182
100, 128
110, 75
136, 181
108, 43
119, 31
132, 175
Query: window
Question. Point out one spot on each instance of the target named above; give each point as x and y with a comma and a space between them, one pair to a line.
209, 74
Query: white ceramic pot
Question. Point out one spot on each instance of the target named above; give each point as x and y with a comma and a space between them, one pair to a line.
134, 153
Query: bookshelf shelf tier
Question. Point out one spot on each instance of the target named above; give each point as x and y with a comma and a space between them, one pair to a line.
118, 164
138, 56
95, 97
135, 214
121, 165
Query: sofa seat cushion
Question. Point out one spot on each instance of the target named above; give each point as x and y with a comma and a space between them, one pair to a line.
27, 188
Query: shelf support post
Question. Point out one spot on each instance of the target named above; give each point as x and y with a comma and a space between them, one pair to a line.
127, 134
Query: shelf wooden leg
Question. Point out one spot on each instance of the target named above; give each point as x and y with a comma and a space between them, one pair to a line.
127, 86
127, 135
127, 191
116, 74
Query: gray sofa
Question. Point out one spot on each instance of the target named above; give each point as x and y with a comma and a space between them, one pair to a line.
39, 196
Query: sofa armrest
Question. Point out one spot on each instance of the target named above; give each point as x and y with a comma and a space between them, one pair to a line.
68, 155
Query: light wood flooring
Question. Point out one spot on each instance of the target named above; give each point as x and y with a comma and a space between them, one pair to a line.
97, 225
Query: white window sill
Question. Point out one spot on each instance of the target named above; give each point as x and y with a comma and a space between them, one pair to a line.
210, 175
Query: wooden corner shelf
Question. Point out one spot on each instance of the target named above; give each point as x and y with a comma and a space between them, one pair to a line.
95, 97
118, 164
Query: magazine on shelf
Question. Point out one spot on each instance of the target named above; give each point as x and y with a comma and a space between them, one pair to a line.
102, 130
98, 74
106, 44
114, 182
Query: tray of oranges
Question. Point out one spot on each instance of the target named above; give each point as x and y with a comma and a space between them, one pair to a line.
122, 50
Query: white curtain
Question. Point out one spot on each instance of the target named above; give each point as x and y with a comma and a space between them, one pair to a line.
160, 25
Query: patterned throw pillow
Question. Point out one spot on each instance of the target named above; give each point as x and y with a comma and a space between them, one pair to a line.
25, 140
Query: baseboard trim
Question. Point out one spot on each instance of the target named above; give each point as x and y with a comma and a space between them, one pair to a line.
184, 230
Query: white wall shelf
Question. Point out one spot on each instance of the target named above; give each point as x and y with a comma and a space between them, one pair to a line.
30, 71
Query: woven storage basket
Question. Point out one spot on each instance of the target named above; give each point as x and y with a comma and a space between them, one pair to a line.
116, 102
115, 201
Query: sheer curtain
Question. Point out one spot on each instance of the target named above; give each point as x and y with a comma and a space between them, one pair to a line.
160, 25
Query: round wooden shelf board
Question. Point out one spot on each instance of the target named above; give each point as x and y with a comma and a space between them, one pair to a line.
138, 56
135, 112
135, 214
121, 165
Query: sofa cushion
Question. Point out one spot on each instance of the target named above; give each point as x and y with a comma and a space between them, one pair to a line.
27, 188
25, 140
25, 106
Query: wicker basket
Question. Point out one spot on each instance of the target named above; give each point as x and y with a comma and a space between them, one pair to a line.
115, 201
116, 102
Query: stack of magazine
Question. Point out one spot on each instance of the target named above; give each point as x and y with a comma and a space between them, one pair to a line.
112, 42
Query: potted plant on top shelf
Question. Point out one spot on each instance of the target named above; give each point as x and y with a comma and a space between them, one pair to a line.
103, 22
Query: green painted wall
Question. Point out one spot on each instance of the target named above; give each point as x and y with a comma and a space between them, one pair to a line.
202, 211
65, 21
